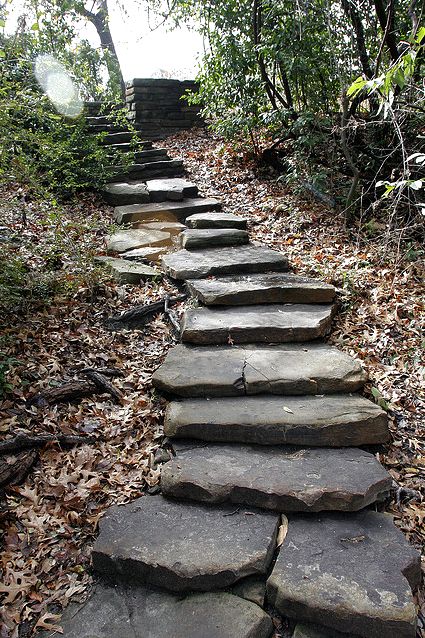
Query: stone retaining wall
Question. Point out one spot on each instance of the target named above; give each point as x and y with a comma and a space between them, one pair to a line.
156, 106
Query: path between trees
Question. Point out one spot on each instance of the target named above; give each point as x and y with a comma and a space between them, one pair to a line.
268, 503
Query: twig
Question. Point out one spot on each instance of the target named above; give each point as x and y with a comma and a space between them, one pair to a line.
103, 384
141, 315
171, 316
25, 441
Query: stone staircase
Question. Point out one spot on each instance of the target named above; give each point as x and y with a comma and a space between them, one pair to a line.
268, 502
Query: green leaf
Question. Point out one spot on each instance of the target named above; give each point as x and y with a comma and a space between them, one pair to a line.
356, 87
2, 23
35, 27
420, 35
2, 53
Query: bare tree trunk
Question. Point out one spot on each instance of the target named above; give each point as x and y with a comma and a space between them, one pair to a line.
100, 20
386, 20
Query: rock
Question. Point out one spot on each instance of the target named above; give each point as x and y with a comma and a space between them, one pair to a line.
149, 253
283, 479
220, 261
275, 287
292, 369
126, 193
216, 220
138, 612
182, 546
174, 189
317, 631
251, 589
126, 138
275, 323
175, 228
193, 239
128, 272
348, 572
176, 210
125, 240
332, 420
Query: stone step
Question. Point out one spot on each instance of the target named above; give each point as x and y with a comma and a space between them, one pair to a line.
274, 287
151, 155
216, 220
332, 420
122, 611
128, 272
184, 546
126, 193
111, 128
99, 119
127, 147
303, 630
179, 210
193, 239
283, 479
146, 170
125, 138
288, 369
185, 264
350, 573
269, 323
125, 240
174, 189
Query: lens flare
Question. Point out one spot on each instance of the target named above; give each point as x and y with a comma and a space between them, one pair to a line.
58, 85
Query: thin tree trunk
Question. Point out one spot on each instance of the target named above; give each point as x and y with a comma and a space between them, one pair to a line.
386, 20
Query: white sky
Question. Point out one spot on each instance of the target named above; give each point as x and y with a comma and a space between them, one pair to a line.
142, 53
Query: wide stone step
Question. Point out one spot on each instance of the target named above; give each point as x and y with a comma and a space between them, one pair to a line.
350, 573
122, 611
177, 210
174, 189
125, 138
151, 155
289, 369
274, 287
147, 170
216, 220
184, 546
283, 479
128, 147
193, 239
332, 420
126, 193
125, 240
185, 264
273, 323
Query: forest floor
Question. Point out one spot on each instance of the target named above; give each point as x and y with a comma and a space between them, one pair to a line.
49, 518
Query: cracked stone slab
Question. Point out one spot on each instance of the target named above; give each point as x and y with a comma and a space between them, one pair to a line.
176, 210
193, 239
138, 612
185, 264
271, 323
282, 479
303, 630
332, 420
184, 546
289, 369
275, 287
126, 193
175, 189
216, 220
125, 240
128, 272
348, 572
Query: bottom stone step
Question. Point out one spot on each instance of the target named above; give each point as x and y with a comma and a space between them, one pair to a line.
138, 612
181, 547
283, 479
350, 573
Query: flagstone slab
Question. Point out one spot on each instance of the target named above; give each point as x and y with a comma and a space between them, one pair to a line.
347, 572
283, 479
138, 612
193, 239
117, 193
303, 630
186, 264
274, 287
216, 220
272, 323
151, 253
128, 272
331, 420
175, 210
125, 240
174, 189
289, 369
184, 546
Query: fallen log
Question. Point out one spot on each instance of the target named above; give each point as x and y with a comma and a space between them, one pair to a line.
15, 467
139, 316
25, 441
63, 393
102, 383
